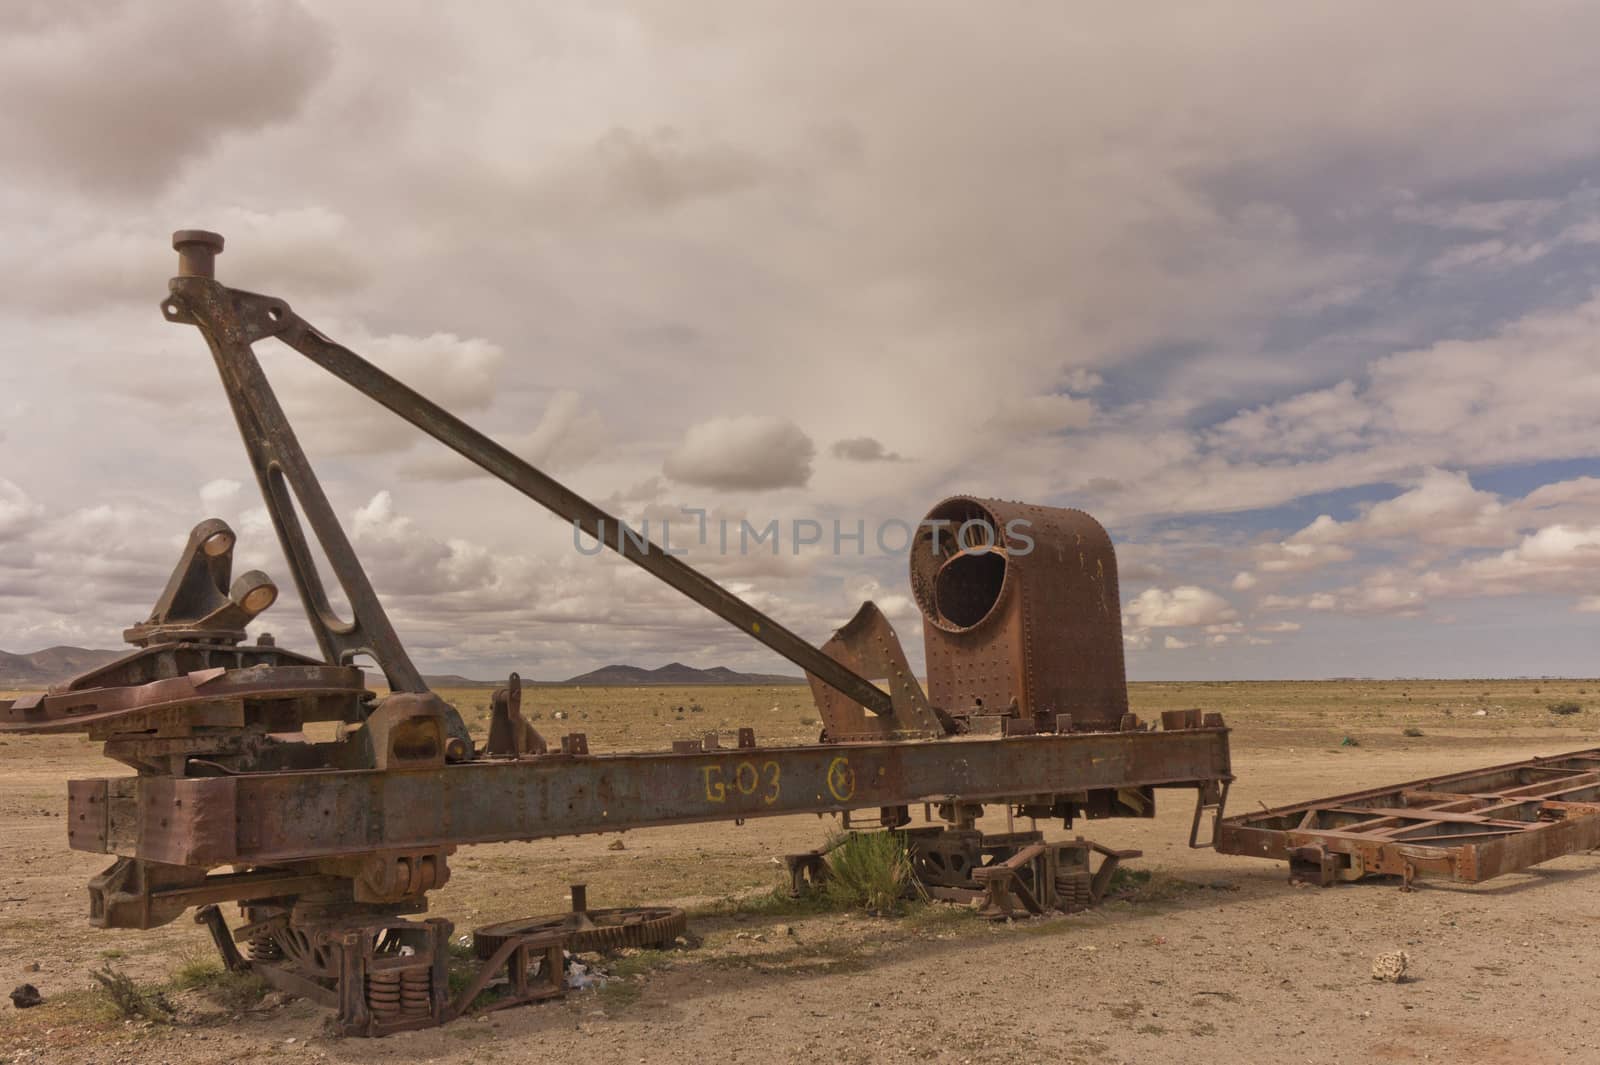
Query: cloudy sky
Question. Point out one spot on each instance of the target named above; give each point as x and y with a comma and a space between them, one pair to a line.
1303, 303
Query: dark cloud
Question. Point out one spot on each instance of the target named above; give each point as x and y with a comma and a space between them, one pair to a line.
119, 102
751, 453
862, 449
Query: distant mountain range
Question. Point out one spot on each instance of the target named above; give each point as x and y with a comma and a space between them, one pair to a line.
50, 666
674, 673
56, 664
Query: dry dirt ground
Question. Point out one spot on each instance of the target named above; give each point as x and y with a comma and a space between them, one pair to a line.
1215, 958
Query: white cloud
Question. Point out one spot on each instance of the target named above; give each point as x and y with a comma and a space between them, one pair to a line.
1183, 606
1441, 508
568, 435
1555, 558
1292, 556
746, 453
18, 513
1491, 216
1052, 413
1081, 381
1172, 643
218, 493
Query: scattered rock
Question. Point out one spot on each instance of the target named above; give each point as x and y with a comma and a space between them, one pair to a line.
616, 845
31, 967
1480, 713
1390, 966
26, 996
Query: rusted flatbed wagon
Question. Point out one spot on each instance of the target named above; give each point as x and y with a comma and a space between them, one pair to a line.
1468, 826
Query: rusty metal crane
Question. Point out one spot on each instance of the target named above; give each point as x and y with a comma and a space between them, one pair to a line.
331, 847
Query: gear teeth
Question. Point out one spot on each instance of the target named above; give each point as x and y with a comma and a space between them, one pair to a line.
628, 926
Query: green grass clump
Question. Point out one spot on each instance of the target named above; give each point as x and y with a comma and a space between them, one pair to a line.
776, 902
235, 991
1148, 886
870, 871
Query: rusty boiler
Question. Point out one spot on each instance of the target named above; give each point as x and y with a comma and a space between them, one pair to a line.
1021, 613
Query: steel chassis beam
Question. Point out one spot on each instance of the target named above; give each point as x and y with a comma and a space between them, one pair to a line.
275, 818
1467, 826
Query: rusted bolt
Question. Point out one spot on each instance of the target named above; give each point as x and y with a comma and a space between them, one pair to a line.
197, 252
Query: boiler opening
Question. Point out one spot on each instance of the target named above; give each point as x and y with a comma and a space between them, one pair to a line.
968, 586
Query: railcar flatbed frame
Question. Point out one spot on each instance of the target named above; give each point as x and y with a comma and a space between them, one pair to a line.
1467, 826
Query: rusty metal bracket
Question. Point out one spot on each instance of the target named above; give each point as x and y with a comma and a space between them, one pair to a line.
1211, 796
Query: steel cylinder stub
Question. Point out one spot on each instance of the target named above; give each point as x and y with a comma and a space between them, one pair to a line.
197, 252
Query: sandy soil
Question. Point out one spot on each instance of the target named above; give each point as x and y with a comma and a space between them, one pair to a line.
1227, 963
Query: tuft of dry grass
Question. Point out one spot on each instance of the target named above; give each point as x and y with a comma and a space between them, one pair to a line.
128, 999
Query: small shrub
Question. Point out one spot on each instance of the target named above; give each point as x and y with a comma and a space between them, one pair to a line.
1411, 731
1564, 708
128, 999
869, 870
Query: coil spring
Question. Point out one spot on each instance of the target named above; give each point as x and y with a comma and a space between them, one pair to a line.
394, 992
415, 990
1073, 891
263, 947
383, 993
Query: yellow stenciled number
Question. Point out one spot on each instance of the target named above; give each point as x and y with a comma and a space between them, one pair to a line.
771, 771
746, 778
841, 779
751, 779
